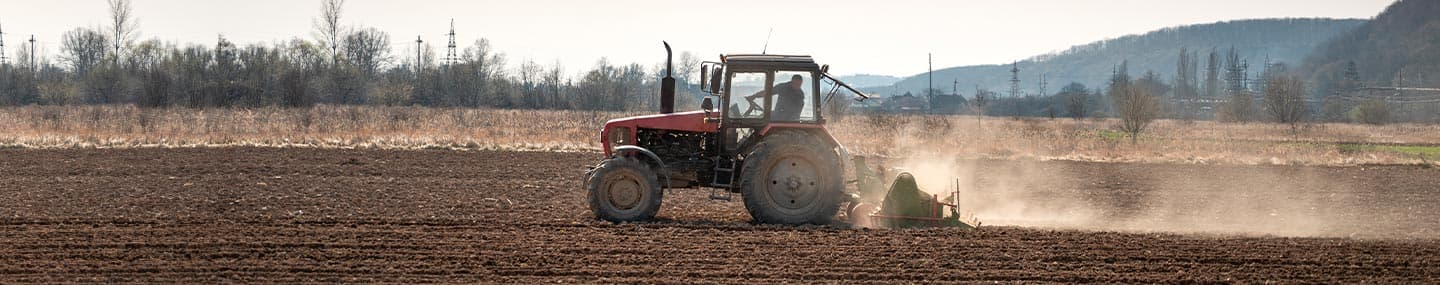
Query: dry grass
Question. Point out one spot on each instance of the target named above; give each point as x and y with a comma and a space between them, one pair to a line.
1164, 141
890, 135
323, 126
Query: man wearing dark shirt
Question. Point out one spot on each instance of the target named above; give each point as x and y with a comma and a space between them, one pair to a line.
790, 101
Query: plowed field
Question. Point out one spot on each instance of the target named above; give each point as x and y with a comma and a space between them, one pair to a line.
302, 215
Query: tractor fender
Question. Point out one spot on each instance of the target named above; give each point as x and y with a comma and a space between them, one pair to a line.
816, 130
654, 161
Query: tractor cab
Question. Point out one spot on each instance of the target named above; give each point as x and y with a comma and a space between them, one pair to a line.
761, 92
760, 89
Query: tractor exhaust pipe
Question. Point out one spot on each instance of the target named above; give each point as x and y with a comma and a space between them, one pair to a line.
667, 85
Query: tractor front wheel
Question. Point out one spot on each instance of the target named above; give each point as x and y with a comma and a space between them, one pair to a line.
623, 190
792, 178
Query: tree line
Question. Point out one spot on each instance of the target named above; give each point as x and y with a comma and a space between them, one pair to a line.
340, 65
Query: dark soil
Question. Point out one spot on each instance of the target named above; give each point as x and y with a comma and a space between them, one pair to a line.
260, 215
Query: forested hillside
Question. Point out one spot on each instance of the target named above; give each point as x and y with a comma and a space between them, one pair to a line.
1402, 42
1281, 40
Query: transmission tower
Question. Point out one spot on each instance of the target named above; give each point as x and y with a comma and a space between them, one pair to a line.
4, 60
955, 87
451, 56
1236, 73
1014, 80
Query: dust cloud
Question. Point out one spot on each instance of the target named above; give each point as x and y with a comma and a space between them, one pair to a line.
1134, 197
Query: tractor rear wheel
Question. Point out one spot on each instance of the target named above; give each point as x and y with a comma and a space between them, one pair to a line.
624, 190
792, 178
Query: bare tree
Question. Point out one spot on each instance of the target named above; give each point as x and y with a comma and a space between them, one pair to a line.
82, 49
369, 50
552, 81
1212, 75
530, 73
328, 27
1136, 106
1076, 98
1239, 108
686, 66
122, 25
1285, 101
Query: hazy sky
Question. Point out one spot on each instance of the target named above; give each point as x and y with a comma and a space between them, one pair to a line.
878, 37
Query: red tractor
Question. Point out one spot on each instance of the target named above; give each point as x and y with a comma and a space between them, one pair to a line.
767, 142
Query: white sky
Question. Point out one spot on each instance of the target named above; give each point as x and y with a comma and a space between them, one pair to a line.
888, 37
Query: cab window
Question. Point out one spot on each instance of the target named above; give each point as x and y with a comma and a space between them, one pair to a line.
794, 97
746, 95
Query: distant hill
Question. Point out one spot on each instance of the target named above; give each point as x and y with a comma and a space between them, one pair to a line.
1284, 40
869, 80
1406, 36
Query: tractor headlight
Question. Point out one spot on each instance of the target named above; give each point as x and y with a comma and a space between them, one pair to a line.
619, 136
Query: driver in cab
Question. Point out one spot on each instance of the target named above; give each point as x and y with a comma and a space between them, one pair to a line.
790, 101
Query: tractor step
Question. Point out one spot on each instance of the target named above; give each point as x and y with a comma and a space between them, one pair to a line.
720, 197
723, 171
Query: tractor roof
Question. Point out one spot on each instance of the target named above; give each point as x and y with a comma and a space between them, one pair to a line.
771, 61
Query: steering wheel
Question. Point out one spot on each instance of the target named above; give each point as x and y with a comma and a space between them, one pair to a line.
749, 111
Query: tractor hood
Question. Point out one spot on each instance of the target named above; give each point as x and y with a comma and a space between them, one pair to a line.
693, 121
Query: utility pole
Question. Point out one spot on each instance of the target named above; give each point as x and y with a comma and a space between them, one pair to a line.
419, 65
451, 56
32, 54
930, 86
1400, 84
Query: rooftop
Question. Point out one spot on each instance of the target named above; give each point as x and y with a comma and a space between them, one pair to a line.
771, 61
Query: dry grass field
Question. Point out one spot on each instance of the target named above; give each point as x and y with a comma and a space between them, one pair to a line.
546, 130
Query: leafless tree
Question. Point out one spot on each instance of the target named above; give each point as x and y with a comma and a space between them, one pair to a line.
123, 25
553, 85
1137, 107
530, 84
1077, 99
82, 49
1212, 75
1076, 105
328, 27
369, 50
1285, 101
1239, 108
686, 66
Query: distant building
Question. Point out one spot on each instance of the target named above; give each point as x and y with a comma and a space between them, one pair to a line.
907, 103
